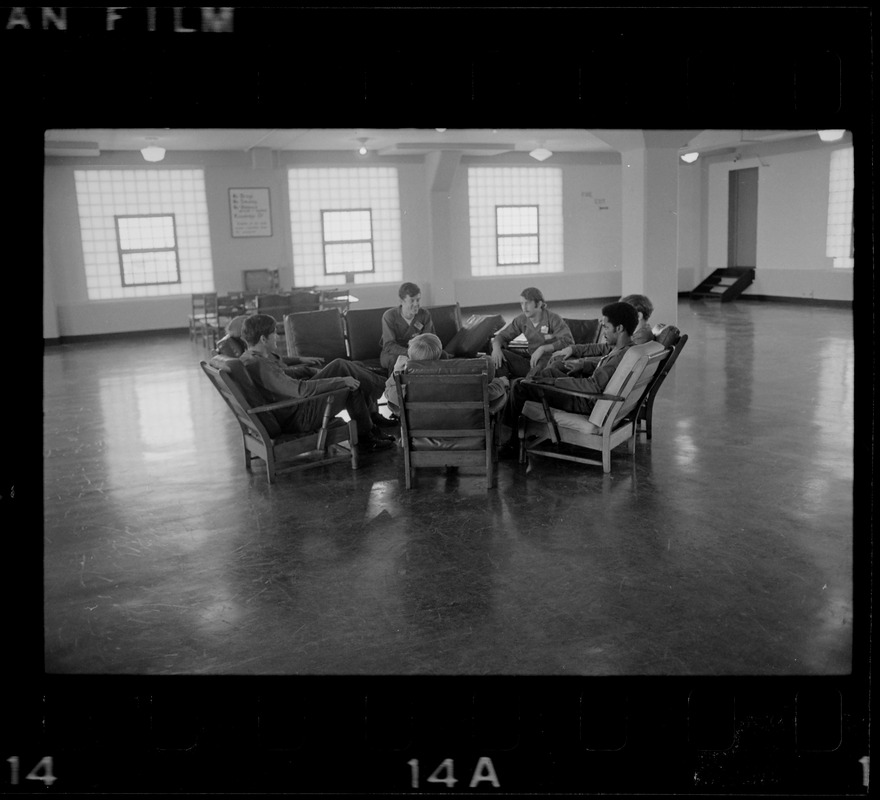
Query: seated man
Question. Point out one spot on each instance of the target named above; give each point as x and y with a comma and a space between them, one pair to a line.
566, 361
545, 333
427, 347
400, 324
619, 320
234, 346
267, 371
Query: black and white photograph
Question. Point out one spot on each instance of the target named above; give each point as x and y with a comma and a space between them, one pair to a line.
489, 458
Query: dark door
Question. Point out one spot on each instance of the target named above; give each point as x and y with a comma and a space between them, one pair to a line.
742, 217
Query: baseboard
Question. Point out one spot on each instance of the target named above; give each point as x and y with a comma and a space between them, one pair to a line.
105, 337
768, 298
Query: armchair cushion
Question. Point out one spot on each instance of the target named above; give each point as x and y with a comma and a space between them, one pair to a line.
447, 321
564, 419
474, 335
667, 335
364, 330
584, 331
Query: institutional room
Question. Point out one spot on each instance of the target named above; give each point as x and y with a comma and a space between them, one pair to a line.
705, 529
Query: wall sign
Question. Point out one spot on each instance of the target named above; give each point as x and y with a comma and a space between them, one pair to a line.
249, 212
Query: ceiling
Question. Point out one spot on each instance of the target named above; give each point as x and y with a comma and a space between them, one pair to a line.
384, 141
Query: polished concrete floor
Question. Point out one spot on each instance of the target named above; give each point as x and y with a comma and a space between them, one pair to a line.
723, 547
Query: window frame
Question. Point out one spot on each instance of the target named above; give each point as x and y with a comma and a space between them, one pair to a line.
536, 235
325, 242
123, 251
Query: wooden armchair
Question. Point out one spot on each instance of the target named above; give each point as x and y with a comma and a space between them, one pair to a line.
584, 331
547, 431
319, 436
363, 332
446, 418
673, 339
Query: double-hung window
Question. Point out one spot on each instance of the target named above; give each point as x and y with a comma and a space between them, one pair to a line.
517, 232
147, 249
348, 241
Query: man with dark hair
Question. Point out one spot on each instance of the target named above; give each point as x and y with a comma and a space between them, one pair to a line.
400, 324
576, 356
545, 333
619, 320
268, 372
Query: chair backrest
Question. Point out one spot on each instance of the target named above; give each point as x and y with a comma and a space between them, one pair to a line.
231, 379
678, 341
584, 331
630, 381
446, 400
447, 321
315, 333
363, 330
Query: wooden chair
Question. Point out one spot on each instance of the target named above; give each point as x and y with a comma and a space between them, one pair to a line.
320, 437
203, 309
445, 415
447, 322
547, 431
672, 338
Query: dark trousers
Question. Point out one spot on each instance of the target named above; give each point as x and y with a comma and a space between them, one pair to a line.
519, 366
363, 399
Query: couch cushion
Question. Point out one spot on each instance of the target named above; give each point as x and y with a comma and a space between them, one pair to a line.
447, 321
584, 331
315, 333
363, 327
252, 395
475, 335
453, 366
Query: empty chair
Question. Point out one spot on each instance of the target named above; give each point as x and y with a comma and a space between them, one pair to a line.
447, 322
203, 310
318, 437
445, 415
547, 431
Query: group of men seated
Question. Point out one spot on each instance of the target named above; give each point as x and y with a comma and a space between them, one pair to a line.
408, 334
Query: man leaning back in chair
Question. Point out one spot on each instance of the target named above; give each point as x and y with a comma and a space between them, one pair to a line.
619, 321
267, 371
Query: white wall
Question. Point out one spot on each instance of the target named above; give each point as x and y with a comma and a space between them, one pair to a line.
792, 207
792, 221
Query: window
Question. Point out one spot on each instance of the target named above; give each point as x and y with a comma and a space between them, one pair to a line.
162, 246
515, 220
517, 231
839, 237
363, 242
348, 241
147, 250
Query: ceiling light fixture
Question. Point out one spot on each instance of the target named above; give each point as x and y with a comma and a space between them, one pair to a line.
152, 152
440, 130
541, 154
362, 150
830, 136
689, 158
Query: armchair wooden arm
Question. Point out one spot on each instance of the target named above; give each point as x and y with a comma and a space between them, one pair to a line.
571, 392
295, 401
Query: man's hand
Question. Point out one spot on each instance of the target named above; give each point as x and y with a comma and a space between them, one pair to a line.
313, 360
497, 357
351, 383
537, 356
564, 353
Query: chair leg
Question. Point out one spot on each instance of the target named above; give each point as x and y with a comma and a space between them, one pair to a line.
648, 420
606, 459
270, 465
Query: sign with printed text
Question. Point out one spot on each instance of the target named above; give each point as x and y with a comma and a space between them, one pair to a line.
250, 212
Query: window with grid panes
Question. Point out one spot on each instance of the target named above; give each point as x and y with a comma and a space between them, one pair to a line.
839, 238
517, 233
514, 243
103, 195
348, 241
147, 250
314, 191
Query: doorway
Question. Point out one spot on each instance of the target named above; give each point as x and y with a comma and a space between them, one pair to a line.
742, 217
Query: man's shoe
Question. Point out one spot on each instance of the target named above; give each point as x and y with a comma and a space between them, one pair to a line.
381, 421
374, 445
378, 433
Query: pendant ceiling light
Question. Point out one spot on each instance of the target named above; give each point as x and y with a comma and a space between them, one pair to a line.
541, 154
152, 152
689, 158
